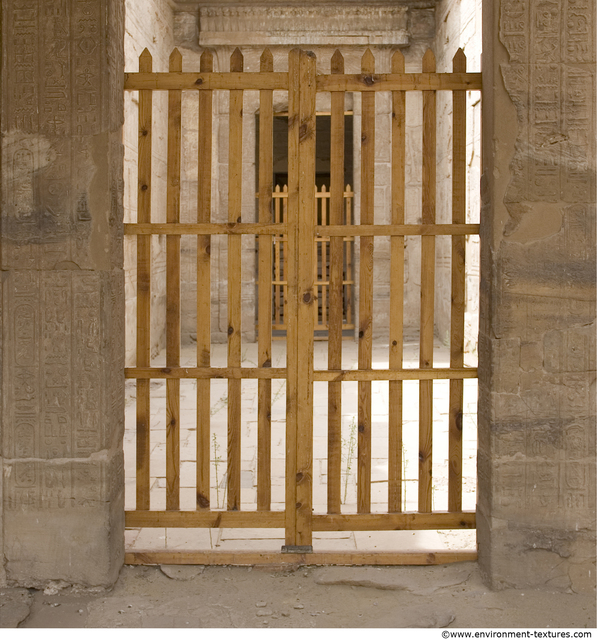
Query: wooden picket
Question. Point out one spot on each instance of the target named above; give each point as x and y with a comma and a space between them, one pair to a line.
306, 286
322, 264
144, 287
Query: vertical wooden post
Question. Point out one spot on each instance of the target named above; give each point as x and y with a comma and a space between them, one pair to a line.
348, 248
458, 288
283, 256
305, 298
396, 293
299, 440
366, 289
324, 261
173, 292
235, 166
266, 127
144, 287
277, 249
336, 293
427, 293
290, 301
204, 287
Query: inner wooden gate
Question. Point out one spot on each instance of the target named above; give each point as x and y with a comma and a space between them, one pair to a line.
302, 231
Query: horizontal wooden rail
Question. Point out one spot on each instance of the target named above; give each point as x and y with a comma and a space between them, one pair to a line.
193, 229
206, 519
248, 228
321, 522
318, 194
279, 81
247, 559
394, 521
205, 81
365, 375
321, 375
397, 230
204, 373
401, 82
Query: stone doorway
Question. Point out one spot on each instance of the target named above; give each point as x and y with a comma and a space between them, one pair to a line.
301, 226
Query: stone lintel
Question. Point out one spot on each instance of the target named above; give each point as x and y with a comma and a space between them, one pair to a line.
332, 25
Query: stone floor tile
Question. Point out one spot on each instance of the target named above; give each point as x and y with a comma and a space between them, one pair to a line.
188, 539
399, 540
150, 539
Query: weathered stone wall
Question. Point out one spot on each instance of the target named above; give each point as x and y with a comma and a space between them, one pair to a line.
458, 26
149, 24
536, 458
62, 292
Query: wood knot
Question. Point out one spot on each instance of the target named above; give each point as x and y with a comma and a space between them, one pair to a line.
199, 81
230, 330
368, 80
202, 501
307, 298
144, 187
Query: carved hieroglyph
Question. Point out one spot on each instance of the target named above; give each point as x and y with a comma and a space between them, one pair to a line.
63, 298
52, 109
550, 80
324, 25
543, 313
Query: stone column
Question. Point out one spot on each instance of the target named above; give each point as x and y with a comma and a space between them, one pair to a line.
62, 291
536, 509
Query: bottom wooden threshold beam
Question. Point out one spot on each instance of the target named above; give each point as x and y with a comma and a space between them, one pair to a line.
243, 559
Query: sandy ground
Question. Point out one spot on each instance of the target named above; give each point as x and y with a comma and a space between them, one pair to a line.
451, 596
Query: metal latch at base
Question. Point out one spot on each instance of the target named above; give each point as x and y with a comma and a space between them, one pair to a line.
293, 548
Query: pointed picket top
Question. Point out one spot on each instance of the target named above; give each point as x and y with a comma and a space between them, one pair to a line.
236, 60
459, 62
323, 189
368, 62
176, 60
398, 62
429, 62
277, 189
337, 62
348, 189
207, 61
267, 61
285, 188
145, 61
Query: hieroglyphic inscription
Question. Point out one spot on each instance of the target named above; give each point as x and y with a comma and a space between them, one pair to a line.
23, 26
87, 382
56, 365
575, 480
23, 365
546, 40
579, 31
87, 56
578, 113
54, 88
32, 485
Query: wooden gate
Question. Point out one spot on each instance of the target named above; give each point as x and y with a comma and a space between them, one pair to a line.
321, 266
301, 230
